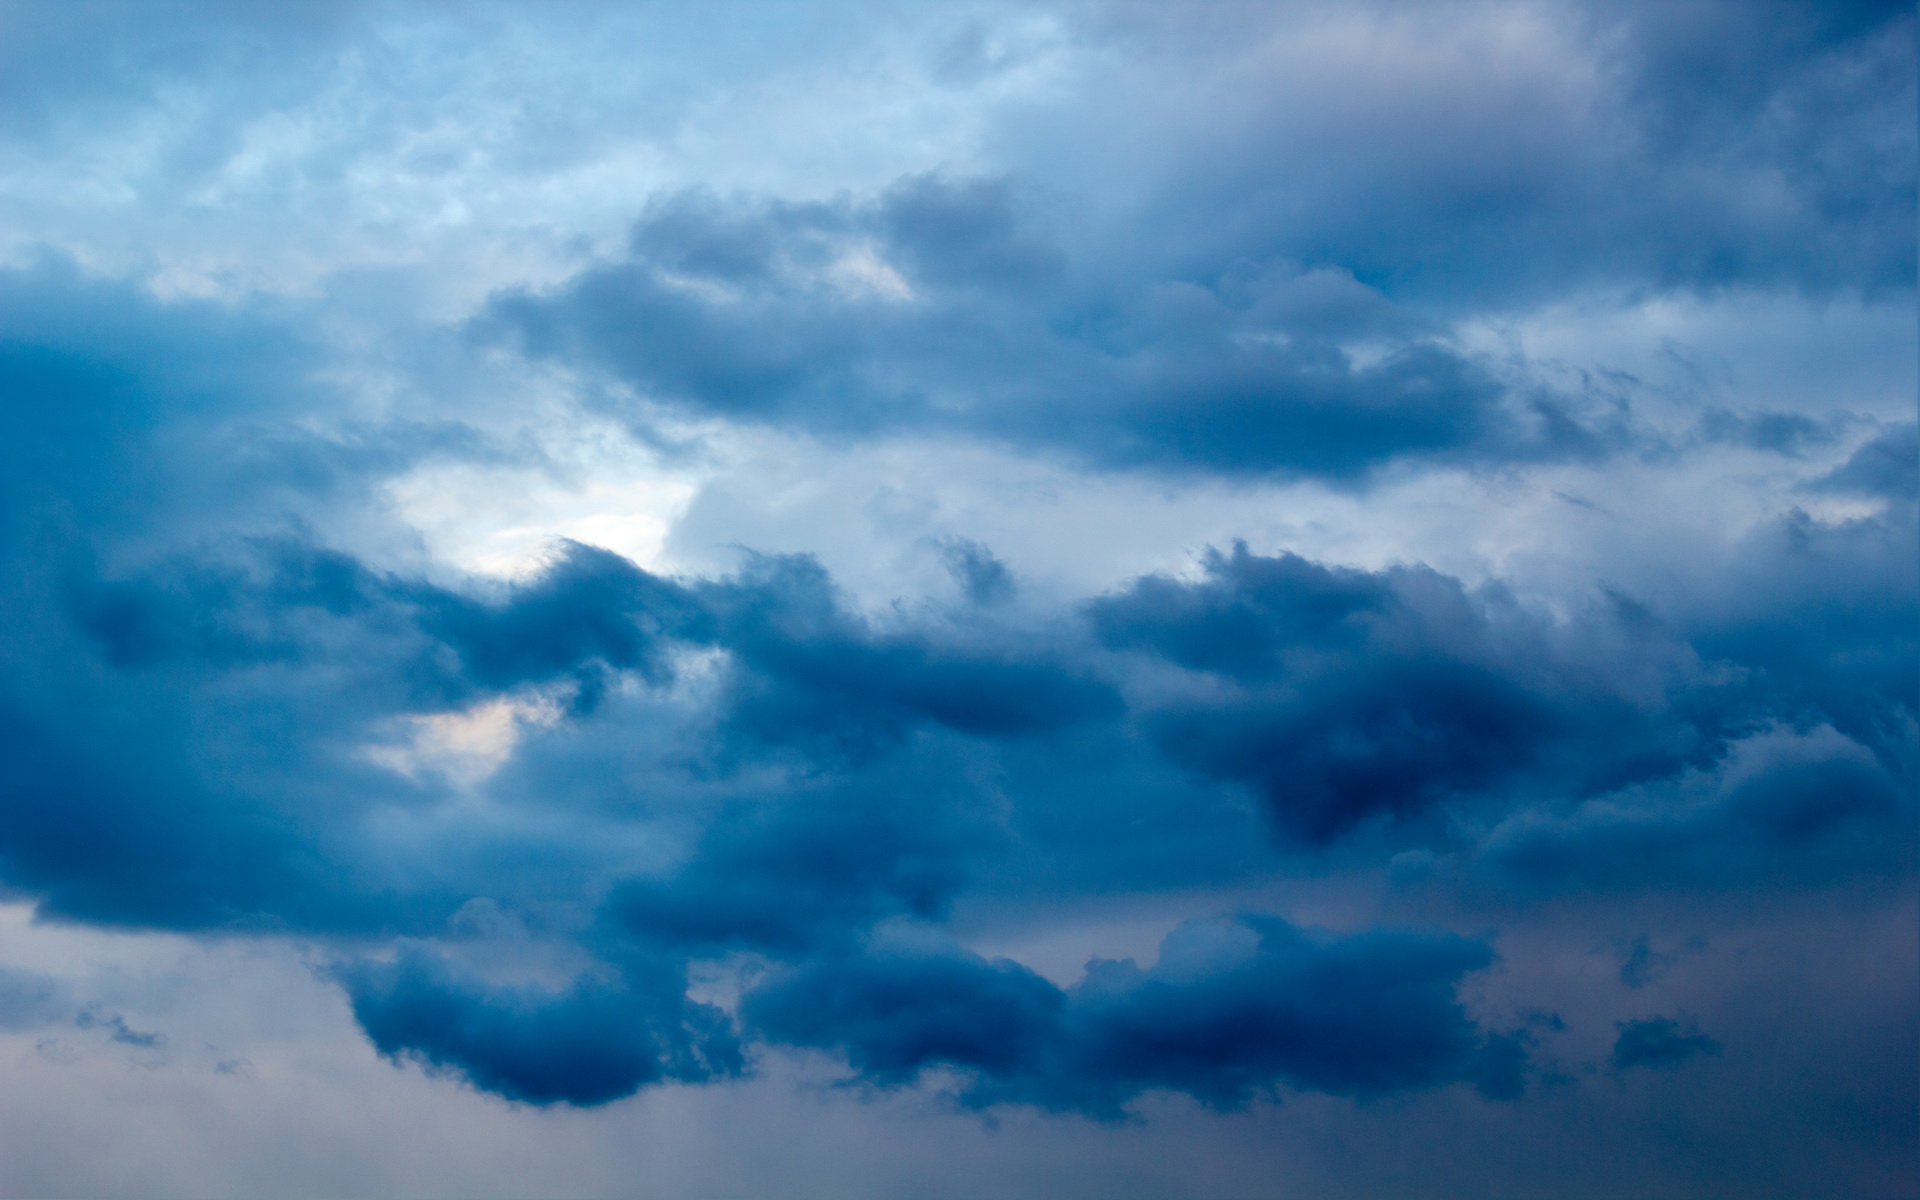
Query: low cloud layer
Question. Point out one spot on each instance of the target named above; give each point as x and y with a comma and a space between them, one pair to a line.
744, 772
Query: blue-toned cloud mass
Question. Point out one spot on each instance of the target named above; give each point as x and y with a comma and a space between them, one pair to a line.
1093, 567
1658, 1042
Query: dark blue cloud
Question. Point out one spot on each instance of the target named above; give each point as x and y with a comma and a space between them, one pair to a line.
748, 770
1814, 810
1385, 743
1363, 695
1887, 466
1230, 1012
1341, 699
1351, 696
1660, 1042
599, 829
896, 1015
1785, 433
108, 824
1706, 73
111, 403
289, 655
814, 674
590, 613
762, 313
1818, 617
809, 872
596, 1041
1243, 622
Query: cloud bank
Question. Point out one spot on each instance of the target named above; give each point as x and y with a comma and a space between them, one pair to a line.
1201, 562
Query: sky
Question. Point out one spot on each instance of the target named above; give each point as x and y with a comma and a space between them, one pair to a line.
951, 600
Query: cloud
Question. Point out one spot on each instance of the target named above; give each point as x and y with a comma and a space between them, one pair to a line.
1265, 271
983, 578
594, 1042
1658, 1042
1815, 613
815, 674
29, 999
1345, 696
118, 1030
113, 396
1599, 147
1642, 964
1232, 1010
1888, 465
1359, 695
744, 311
590, 612
1341, 699
811, 871
1782, 804
1223, 258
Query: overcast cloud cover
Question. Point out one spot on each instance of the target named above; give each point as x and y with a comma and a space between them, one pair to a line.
956, 600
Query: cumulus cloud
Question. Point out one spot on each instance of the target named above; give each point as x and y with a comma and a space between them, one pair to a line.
1353, 695
810, 786
980, 328
595, 1042
603, 826
1229, 1012
1782, 804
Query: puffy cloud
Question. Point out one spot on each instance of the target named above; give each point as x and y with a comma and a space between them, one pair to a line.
1340, 698
1782, 805
600, 827
795, 779
595, 1042
1261, 320
851, 318
1230, 1011
1357, 695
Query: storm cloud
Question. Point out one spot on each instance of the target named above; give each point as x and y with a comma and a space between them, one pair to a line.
1333, 582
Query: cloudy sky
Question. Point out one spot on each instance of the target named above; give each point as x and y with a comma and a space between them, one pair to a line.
959, 600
